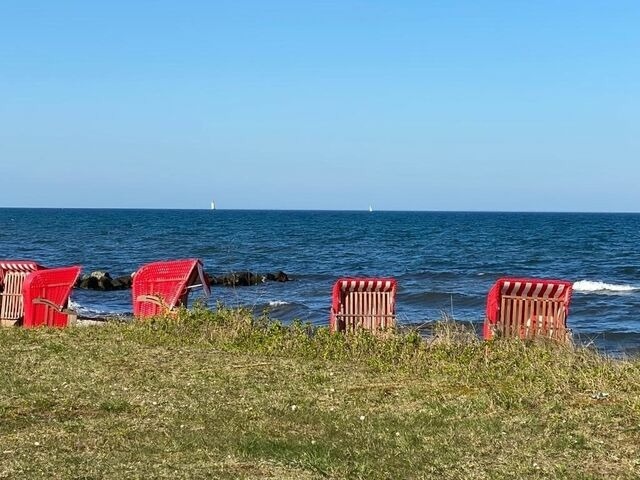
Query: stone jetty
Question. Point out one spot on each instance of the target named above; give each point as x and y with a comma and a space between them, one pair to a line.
102, 280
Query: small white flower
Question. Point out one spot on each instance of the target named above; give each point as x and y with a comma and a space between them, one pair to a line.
397, 434
154, 403
294, 408
37, 444
361, 417
331, 409
313, 442
332, 390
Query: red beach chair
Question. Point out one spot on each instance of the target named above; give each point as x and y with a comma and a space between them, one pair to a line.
12, 275
46, 296
527, 308
161, 286
363, 303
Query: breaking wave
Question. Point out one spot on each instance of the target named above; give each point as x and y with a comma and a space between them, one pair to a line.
277, 303
88, 312
588, 286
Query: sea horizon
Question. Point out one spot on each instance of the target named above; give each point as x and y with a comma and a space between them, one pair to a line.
365, 209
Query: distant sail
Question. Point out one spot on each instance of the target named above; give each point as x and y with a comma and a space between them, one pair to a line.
370, 208
213, 205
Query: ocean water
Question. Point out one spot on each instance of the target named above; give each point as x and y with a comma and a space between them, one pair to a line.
445, 262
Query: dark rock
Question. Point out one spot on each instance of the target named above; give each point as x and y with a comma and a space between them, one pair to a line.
100, 274
124, 282
243, 279
281, 277
105, 283
89, 283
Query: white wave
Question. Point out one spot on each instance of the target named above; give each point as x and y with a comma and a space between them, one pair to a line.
82, 310
588, 286
277, 303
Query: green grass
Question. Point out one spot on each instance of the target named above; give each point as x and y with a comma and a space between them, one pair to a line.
225, 395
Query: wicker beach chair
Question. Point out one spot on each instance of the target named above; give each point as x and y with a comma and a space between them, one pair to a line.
159, 287
528, 308
363, 303
46, 297
12, 275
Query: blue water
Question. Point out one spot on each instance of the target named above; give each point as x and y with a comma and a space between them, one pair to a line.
443, 261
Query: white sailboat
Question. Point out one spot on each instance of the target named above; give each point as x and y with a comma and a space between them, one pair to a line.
370, 208
213, 205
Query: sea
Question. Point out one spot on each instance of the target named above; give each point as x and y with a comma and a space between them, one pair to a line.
444, 262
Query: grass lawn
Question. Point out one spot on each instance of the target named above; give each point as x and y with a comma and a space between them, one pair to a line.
224, 395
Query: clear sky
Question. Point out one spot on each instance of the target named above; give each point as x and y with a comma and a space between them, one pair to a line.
425, 105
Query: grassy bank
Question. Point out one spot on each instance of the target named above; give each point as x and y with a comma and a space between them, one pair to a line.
222, 395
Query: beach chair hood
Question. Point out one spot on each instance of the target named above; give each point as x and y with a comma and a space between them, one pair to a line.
12, 275
169, 282
18, 266
347, 285
46, 293
523, 287
344, 285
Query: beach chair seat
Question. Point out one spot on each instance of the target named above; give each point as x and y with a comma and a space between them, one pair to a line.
46, 297
160, 287
12, 275
528, 308
363, 303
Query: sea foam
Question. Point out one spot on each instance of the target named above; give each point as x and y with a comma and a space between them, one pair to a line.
277, 303
87, 312
588, 286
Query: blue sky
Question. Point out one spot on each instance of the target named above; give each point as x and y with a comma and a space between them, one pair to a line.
443, 105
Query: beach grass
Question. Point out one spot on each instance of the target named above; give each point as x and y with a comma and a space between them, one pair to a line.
224, 394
